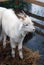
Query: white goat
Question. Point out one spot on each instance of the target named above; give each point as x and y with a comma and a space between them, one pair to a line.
2, 9
16, 29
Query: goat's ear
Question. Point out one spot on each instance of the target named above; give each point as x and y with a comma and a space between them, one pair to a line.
21, 19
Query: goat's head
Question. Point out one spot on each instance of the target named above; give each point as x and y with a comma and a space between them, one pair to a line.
28, 25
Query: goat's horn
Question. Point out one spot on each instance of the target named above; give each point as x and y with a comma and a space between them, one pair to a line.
24, 13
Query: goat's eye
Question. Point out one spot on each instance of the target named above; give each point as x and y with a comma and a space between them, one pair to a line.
26, 24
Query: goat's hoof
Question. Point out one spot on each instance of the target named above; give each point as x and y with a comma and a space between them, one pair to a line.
4, 46
13, 55
21, 56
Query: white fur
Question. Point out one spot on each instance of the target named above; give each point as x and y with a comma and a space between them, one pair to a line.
1, 14
15, 29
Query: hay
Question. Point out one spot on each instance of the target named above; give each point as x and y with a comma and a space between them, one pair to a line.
30, 57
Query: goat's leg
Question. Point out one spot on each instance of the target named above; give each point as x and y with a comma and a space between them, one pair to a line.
4, 40
13, 46
1, 36
20, 50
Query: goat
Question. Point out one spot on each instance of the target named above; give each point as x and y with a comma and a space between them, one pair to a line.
16, 29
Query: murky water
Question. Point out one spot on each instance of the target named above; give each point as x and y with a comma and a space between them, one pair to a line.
37, 42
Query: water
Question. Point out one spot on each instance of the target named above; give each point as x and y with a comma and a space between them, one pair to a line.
37, 42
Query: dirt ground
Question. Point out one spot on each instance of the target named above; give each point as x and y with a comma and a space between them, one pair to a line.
30, 57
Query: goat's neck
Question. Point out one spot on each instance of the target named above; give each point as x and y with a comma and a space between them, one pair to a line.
23, 33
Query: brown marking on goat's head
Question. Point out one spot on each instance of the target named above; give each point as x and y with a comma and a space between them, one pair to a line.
24, 13
21, 16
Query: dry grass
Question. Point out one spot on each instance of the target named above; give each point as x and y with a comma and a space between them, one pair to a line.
30, 57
